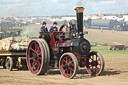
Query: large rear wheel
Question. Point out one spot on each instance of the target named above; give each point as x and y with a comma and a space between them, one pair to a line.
47, 50
38, 57
95, 63
68, 65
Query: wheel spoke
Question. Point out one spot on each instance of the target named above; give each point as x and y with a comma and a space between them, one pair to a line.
31, 58
62, 65
39, 64
71, 69
32, 49
98, 59
70, 58
72, 65
92, 68
40, 58
33, 66
71, 72
66, 60
89, 66
38, 49
36, 46
89, 63
66, 71
39, 53
95, 69
38, 68
99, 64
98, 69
93, 57
70, 62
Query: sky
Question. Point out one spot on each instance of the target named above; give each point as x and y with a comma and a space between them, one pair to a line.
60, 7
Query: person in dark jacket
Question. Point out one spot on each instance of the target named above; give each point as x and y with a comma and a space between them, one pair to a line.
54, 27
44, 27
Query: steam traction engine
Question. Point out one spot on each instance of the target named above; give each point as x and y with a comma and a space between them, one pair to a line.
59, 49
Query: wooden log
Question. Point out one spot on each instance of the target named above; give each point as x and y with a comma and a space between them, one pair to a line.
14, 43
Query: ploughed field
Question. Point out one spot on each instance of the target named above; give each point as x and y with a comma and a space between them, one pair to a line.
115, 73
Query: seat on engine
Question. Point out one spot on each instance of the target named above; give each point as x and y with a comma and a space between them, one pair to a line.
46, 36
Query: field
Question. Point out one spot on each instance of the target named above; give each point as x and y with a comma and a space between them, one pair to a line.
116, 64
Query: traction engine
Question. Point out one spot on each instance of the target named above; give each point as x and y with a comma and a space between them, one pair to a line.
64, 50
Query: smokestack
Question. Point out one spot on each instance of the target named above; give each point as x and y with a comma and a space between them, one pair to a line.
79, 13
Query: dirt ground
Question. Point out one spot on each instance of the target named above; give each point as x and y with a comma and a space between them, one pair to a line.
115, 73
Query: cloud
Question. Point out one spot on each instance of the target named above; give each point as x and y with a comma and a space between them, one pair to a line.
55, 0
58, 7
108, 2
105, 6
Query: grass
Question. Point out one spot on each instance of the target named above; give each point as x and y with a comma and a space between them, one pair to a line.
104, 50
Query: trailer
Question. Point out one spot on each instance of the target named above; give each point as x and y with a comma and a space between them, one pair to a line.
13, 49
14, 59
120, 47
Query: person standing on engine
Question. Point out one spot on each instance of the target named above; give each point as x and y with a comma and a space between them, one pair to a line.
44, 27
54, 27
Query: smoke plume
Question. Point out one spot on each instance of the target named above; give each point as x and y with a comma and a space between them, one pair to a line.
81, 3
31, 32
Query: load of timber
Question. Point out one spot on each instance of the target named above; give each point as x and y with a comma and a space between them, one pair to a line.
14, 43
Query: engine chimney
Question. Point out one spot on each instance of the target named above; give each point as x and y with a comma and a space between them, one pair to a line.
79, 13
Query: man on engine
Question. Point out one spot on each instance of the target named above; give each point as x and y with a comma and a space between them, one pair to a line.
44, 27
54, 27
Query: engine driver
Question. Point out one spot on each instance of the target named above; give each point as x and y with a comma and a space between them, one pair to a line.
44, 27
54, 27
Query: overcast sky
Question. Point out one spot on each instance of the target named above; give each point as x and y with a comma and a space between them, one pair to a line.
60, 7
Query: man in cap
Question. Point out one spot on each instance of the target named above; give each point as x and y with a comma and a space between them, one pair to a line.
54, 27
44, 28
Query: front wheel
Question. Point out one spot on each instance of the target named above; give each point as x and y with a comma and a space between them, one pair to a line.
95, 63
68, 65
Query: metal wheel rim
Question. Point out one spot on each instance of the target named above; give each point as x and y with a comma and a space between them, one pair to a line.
46, 54
8, 64
68, 65
95, 64
34, 57
47, 51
